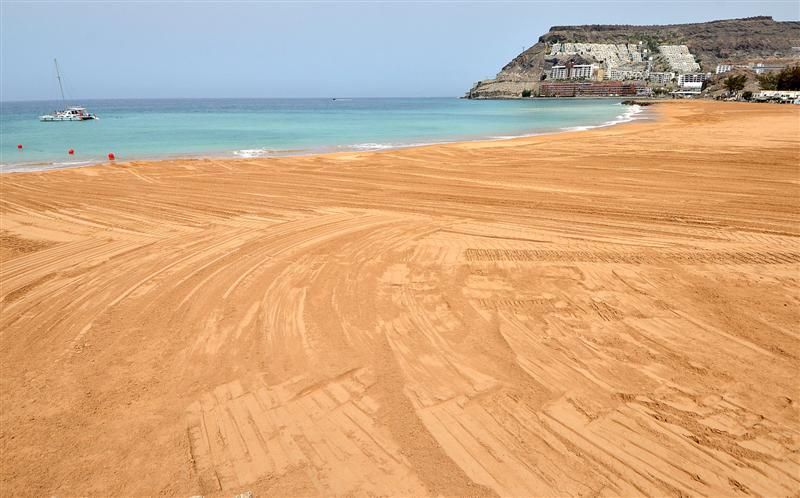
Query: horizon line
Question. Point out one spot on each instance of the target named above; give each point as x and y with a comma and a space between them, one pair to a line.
230, 98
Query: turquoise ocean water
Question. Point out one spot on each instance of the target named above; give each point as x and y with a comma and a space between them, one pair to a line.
153, 129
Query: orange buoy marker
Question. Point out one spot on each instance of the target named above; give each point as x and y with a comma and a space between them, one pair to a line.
111, 156
19, 146
71, 151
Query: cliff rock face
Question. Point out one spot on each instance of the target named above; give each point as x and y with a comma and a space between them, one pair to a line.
736, 41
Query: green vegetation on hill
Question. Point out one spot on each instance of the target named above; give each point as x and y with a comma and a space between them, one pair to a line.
735, 82
787, 79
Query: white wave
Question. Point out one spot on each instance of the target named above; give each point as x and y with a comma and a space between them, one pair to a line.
505, 137
511, 137
71, 163
370, 146
626, 117
630, 114
31, 167
252, 152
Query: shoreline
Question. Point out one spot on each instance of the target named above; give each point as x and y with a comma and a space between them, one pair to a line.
627, 116
602, 313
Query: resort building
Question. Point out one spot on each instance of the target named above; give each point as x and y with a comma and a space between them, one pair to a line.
724, 68
767, 68
661, 79
558, 73
679, 58
582, 71
687, 93
590, 88
572, 72
692, 81
778, 96
612, 55
620, 74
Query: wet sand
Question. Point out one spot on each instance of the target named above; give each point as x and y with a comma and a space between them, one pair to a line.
607, 313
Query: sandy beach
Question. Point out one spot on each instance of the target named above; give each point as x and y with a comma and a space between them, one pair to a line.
606, 313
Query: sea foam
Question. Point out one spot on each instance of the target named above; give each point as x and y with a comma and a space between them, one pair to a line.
629, 115
247, 153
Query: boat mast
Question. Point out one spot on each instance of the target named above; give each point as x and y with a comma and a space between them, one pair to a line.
58, 75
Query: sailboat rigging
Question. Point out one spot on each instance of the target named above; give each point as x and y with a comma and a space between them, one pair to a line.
69, 113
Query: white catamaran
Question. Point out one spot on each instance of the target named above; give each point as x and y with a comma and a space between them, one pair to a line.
69, 113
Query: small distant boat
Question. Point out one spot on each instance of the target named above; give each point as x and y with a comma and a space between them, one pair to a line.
69, 113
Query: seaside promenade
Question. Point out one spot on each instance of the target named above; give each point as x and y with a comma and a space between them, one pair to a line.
610, 313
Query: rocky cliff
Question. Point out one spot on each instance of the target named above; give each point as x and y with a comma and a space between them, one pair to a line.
736, 41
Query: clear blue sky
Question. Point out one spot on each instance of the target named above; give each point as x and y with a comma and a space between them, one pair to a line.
301, 49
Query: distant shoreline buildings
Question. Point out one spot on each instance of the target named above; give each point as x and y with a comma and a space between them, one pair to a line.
593, 88
653, 56
622, 62
671, 66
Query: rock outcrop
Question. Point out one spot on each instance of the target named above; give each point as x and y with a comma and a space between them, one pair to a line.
736, 41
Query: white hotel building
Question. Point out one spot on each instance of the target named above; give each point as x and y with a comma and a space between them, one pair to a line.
614, 73
724, 68
573, 72
661, 78
692, 80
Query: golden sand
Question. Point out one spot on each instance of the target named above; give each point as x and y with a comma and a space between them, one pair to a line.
611, 312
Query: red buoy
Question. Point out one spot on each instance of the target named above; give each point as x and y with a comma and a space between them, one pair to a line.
71, 151
111, 156
19, 146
